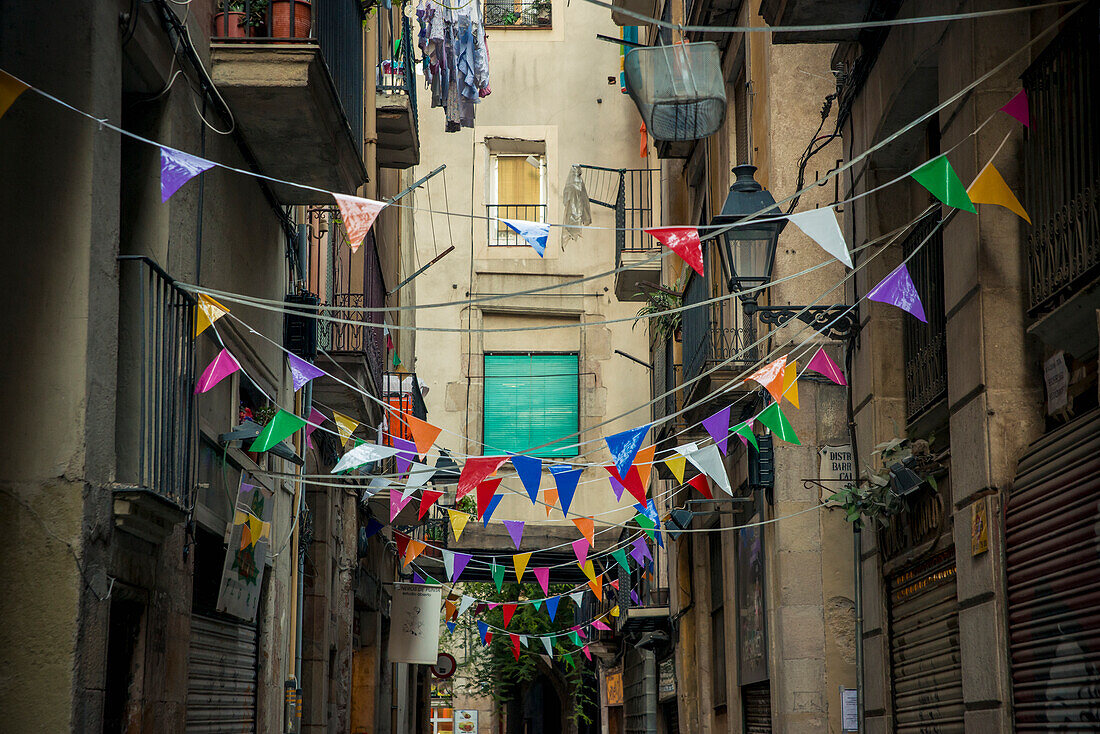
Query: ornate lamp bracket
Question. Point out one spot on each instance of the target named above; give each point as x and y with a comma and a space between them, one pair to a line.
834, 322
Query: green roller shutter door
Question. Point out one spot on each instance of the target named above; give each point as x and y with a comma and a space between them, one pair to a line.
530, 400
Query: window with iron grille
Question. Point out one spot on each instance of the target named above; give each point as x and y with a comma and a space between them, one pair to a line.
518, 14
517, 190
926, 343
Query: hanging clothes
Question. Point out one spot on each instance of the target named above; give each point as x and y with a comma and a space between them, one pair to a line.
453, 43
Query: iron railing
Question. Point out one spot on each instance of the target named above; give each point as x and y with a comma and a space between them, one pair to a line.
500, 235
396, 67
517, 14
632, 194
926, 344
1063, 165
156, 383
664, 377
716, 332
334, 26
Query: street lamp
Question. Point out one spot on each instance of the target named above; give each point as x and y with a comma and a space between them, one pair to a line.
750, 254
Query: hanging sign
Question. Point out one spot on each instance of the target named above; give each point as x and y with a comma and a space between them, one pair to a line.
414, 623
246, 556
1056, 376
614, 683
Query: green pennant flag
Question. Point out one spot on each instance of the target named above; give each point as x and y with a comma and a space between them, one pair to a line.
538, 604
620, 556
940, 178
646, 523
575, 638
568, 657
744, 429
498, 575
283, 424
396, 360
773, 418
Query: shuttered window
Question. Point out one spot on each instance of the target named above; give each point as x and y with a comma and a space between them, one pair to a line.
531, 400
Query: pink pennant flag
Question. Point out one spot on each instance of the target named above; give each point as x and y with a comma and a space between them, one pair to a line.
600, 625
223, 366
821, 364
1017, 107
543, 576
316, 418
587, 654
358, 215
580, 549
684, 241
301, 371
396, 503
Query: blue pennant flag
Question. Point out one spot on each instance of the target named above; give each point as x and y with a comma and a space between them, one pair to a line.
566, 477
489, 510
451, 626
552, 606
373, 526
530, 473
483, 629
624, 447
535, 233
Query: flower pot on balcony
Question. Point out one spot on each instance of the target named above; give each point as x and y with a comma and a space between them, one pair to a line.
282, 14
230, 25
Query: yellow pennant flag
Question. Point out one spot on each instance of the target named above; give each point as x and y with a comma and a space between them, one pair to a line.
414, 549
790, 383
519, 562
615, 611
344, 426
676, 465
990, 188
458, 522
207, 311
10, 89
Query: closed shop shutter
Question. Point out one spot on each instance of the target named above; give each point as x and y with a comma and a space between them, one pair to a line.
757, 701
926, 676
221, 677
640, 692
1052, 546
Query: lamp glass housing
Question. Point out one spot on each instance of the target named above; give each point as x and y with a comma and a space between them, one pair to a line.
750, 250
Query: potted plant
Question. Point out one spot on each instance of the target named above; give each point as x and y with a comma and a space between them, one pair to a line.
231, 20
542, 12
283, 12
663, 325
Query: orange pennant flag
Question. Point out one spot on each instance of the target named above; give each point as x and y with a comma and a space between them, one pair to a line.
790, 383
550, 497
586, 526
10, 89
594, 582
358, 214
990, 188
424, 433
644, 461
412, 550
770, 377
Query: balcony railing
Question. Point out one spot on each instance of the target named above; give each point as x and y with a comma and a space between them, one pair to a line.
666, 375
1063, 166
156, 426
499, 233
509, 14
632, 194
714, 333
335, 26
926, 344
396, 67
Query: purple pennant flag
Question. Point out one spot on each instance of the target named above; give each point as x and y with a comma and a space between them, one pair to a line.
634, 598
177, 168
301, 371
406, 454
316, 418
617, 487
639, 550
718, 426
897, 289
515, 529
223, 366
460, 560
417, 578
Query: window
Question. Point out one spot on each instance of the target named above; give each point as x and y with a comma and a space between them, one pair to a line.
518, 13
530, 400
717, 621
517, 190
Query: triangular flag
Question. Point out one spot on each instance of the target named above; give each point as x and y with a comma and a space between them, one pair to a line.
615, 611
550, 498
414, 549
699, 481
568, 658
620, 557
770, 377
519, 563
449, 566
718, 426
1016, 107
543, 576
406, 454
419, 474
458, 522
358, 214
373, 526
483, 630
580, 550
615, 584
566, 478
990, 188
515, 529
898, 289
301, 371
820, 225
940, 179
632, 482
476, 469
600, 625
508, 610
548, 645
587, 529
744, 431
640, 551
709, 461
584, 649
529, 469
523, 640
497, 572
417, 578
644, 463
684, 241
616, 486
176, 167
577, 597
594, 582
362, 454
281, 425
515, 645
402, 541
821, 364
223, 366
10, 89
427, 499
451, 626
465, 604
207, 311
534, 233
676, 465
485, 492
456, 564
424, 433
397, 504
491, 509
345, 426
773, 418
316, 418
624, 447
537, 603
790, 383
552, 606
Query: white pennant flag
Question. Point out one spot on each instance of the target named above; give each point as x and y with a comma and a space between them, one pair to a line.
523, 640
687, 449
419, 474
466, 603
577, 596
449, 562
548, 645
362, 454
821, 226
709, 461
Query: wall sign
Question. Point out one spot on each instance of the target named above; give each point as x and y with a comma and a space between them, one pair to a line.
979, 527
614, 683
246, 556
666, 680
414, 624
1056, 377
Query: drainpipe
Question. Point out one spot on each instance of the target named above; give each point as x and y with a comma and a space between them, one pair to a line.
307, 407
857, 541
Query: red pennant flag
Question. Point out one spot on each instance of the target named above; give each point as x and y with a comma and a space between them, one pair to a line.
485, 492
402, 541
427, 499
476, 469
509, 610
699, 481
684, 241
515, 644
633, 482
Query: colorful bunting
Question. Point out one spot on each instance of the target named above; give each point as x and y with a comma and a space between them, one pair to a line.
281, 425
176, 167
594, 582
397, 503
897, 289
1016, 107
620, 557
519, 564
406, 454
485, 492
543, 577
207, 311
491, 509
790, 383
301, 371
465, 604
424, 433
483, 630
10, 89
534, 233
362, 454
743, 431
548, 645
358, 214
427, 499
684, 241
497, 572
577, 597
718, 426
709, 461
508, 610
624, 447
552, 606
345, 426
458, 522
644, 463
639, 551
515, 529
821, 364
580, 550
616, 486
773, 418
587, 654
451, 626
587, 528
566, 478
475, 470
412, 550
821, 226
990, 188
699, 482
221, 367
316, 418
940, 179
515, 645
770, 377
529, 469
676, 465
550, 498
600, 625
455, 563
402, 542
633, 482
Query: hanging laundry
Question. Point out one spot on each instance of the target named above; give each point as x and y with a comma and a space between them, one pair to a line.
456, 59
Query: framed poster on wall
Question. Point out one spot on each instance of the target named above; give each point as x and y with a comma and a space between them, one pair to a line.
752, 641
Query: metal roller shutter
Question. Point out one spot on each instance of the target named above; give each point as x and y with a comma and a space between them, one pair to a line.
221, 677
640, 692
926, 675
1052, 547
757, 700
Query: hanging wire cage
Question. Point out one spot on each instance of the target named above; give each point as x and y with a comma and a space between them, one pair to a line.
678, 89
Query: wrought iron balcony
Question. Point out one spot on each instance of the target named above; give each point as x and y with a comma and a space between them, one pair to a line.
926, 344
517, 14
397, 117
500, 235
716, 336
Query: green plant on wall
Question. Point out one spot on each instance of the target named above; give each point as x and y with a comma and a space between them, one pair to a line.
877, 502
659, 302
